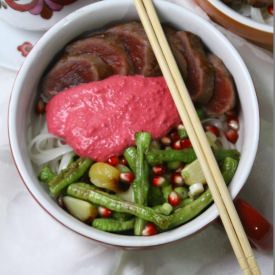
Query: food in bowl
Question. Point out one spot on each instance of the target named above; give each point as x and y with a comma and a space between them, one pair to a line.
260, 11
117, 155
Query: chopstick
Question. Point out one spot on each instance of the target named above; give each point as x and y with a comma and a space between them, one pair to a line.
196, 133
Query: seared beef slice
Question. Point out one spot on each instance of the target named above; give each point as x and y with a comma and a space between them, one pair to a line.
224, 97
106, 46
138, 47
200, 73
73, 70
176, 47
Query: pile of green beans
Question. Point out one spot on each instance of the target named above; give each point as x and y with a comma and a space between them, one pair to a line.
150, 202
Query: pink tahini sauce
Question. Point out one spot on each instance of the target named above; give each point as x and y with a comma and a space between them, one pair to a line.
100, 119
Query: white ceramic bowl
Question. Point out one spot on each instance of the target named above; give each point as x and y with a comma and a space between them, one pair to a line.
261, 34
94, 17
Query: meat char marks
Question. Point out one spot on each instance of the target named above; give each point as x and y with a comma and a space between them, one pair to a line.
73, 70
200, 73
224, 97
138, 47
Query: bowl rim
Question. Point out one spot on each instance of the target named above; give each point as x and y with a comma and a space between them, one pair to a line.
68, 220
222, 7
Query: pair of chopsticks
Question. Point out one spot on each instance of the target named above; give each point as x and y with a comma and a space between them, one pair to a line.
185, 107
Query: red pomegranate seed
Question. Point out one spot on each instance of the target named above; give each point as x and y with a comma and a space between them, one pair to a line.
104, 212
124, 161
177, 179
174, 198
158, 181
114, 161
232, 136
127, 177
149, 230
166, 140
40, 107
233, 124
174, 136
159, 170
177, 145
213, 129
270, 9
185, 143
231, 115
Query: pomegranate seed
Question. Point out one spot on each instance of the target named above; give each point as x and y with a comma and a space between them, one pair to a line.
158, 181
149, 230
124, 161
232, 136
114, 161
174, 136
213, 129
174, 198
159, 170
232, 115
233, 124
127, 177
40, 107
185, 143
177, 179
177, 145
104, 212
270, 9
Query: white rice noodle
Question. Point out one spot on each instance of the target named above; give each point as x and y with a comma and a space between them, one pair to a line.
256, 14
65, 161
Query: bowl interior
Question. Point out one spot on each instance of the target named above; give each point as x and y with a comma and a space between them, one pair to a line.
240, 18
94, 17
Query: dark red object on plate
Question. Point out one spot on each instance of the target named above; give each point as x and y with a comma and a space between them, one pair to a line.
258, 228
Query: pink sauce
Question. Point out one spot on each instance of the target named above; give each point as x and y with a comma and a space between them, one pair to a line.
100, 119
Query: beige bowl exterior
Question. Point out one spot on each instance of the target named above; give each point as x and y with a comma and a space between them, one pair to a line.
257, 36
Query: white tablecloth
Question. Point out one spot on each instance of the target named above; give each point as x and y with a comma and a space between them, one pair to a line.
32, 243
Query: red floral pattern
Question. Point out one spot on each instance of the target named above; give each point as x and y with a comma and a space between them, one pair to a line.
44, 8
25, 48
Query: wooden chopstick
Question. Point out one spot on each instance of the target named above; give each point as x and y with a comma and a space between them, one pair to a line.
195, 131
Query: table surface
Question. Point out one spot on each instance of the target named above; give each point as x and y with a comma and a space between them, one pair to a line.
31, 242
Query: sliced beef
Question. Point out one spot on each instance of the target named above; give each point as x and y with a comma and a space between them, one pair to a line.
224, 97
259, 3
176, 47
106, 46
70, 71
200, 73
138, 47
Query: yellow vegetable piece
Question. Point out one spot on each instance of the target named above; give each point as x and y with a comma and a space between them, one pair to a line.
192, 173
105, 176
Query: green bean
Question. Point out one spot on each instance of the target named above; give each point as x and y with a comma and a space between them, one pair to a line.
130, 155
111, 225
46, 174
160, 156
229, 168
222, 154
155, 196
121, 216
90, 193
69, 175
186, 155
182, 132
186, 213
191, 210
165, 209
182, 191
141, 182
174, 165
166, 190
